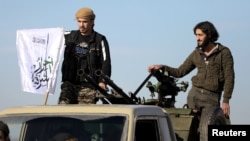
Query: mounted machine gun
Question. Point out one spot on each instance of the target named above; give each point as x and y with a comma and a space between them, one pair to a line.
166, 86
167, 89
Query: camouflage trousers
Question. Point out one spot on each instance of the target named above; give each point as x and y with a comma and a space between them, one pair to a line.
77, 94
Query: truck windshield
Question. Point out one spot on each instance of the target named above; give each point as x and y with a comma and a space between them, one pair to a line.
62, 128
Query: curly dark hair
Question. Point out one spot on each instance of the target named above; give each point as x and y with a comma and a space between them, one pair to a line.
5, 129
209, 29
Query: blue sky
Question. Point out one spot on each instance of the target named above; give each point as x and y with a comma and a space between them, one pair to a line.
140, 33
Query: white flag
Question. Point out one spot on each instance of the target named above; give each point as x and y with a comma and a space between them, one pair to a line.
39, 52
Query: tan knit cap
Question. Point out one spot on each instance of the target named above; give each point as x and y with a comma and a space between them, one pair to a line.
85, 13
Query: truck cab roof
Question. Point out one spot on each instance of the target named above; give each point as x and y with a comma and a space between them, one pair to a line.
84, 121
80, 109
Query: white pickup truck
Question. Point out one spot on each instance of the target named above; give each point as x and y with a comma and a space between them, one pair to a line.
89, 123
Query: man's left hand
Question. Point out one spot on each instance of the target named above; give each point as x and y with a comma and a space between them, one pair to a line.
226, 109
103, 85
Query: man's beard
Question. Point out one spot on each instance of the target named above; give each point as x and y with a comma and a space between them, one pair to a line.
205, 43
83, 30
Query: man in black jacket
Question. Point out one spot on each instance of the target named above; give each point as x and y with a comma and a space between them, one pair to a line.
215, 70
86, 52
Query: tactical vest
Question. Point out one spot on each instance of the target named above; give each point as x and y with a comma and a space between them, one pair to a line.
85, 60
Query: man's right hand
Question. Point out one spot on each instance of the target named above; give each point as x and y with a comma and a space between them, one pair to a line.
154, 67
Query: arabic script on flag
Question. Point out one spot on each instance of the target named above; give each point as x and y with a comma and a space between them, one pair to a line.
39, 52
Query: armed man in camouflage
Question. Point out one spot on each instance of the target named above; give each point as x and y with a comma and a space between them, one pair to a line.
86, 52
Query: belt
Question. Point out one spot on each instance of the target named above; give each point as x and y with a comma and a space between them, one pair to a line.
207, 92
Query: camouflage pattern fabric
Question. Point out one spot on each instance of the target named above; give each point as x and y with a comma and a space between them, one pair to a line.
87, 95
77, 94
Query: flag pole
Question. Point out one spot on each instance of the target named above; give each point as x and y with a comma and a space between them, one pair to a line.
46, 98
